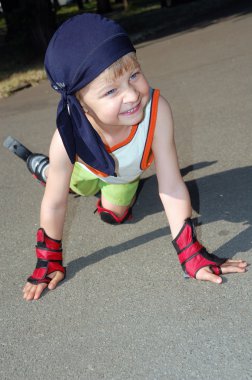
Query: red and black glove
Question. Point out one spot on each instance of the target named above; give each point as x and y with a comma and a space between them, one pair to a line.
192, 255
49, 254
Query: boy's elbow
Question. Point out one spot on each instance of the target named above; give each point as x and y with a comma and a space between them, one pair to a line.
54, 204
178, 191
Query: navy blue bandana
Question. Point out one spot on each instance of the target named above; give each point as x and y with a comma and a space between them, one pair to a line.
81, 49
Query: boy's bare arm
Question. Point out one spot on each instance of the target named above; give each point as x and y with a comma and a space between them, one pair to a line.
54, 203
173, 192
53, 207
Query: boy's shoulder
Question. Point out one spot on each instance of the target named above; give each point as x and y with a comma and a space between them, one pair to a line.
164, 111
57, 152
164, 121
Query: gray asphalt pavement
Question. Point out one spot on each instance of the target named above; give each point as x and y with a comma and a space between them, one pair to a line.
125, 312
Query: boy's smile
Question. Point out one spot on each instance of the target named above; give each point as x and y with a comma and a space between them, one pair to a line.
132, 110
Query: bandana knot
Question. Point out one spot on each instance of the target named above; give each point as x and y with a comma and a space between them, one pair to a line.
60, 87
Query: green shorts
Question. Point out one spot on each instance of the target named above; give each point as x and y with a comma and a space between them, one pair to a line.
86, 184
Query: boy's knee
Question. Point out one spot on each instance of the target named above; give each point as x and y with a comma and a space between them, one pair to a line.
111, 213
118, 210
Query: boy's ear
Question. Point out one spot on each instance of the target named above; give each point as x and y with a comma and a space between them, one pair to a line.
84, 107
78, 97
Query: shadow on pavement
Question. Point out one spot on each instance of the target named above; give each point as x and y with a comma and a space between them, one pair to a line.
221, 196
187, 16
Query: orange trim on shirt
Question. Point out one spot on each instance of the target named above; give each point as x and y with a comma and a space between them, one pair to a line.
148, 154
95, 171
124, 142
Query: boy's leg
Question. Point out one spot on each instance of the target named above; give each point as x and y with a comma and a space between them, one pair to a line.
116, 201
37, 163
83, 182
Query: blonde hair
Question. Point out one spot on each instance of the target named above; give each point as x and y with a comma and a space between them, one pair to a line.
126, 63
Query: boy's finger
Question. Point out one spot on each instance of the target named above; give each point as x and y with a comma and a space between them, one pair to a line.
55, 280
27, 286
29, 295
39, 289
28, 291
229, 261
33, 291
205, 274
234, 263
233, 269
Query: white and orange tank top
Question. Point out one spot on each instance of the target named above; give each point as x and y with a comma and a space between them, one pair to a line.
133, 155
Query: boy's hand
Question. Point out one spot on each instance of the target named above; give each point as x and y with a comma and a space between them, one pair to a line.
33, 292
195, 260
49, 269
230, 266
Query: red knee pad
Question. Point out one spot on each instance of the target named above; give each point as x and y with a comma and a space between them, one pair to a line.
191, 254
49, 255
110, 217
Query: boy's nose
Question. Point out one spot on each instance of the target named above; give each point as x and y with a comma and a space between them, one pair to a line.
131, 95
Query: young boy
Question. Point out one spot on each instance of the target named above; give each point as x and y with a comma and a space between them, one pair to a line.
110, 127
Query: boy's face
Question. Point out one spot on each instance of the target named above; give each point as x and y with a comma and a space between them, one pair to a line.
112, 102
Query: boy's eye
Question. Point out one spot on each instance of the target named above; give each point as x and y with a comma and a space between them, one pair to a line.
110, 92
134, 75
